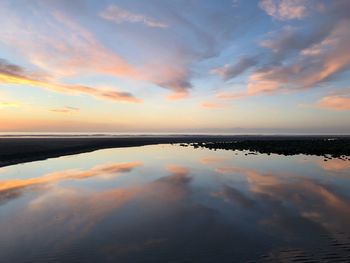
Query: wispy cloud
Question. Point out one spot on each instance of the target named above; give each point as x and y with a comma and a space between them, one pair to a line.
230, 71
302, 59
74, 49
211, 105
77, 51
8, 68
65, 110
119, 15
308, 70
17, 75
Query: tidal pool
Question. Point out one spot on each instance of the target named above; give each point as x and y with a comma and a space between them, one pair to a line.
167, 203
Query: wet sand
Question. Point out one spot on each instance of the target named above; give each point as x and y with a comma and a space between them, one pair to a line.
18, 150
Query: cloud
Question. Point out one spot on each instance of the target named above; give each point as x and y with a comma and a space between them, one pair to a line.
315, 64
174, 76
65, 110
8, 104
290, 38
335, 102
177, 95
230, 71
231, 95
119, 15
18, 76
285, 9
52, 37
7, 68
211, 105
302, 58
64, 47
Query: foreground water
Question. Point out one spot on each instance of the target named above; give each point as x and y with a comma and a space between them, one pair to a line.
167, 203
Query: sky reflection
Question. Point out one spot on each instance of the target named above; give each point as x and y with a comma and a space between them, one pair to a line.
171, 203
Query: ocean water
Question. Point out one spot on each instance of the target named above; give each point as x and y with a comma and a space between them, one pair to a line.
167, 203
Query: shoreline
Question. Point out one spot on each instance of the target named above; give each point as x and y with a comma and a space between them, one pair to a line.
20, 150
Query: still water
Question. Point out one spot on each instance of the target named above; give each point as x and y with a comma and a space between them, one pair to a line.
168, 203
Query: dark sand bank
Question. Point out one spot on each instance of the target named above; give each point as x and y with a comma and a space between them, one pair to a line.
329, 148
19, 150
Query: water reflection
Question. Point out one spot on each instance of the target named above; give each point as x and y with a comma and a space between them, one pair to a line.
13, 188
335, 165
187, 206
301, 197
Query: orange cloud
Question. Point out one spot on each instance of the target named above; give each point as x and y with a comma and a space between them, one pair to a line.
177, 95
210, 105
65, 110
336, 102
263, 82
100, 93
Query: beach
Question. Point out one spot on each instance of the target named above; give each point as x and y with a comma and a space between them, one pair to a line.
14, 150
183, 202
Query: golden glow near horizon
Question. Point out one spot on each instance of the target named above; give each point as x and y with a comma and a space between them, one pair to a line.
141, 66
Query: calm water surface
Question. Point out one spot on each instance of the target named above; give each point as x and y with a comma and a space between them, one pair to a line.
169, 203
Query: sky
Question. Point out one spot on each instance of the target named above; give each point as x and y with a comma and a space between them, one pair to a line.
228, 66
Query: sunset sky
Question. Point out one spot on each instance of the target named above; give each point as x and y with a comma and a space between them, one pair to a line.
268, 66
